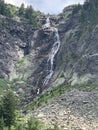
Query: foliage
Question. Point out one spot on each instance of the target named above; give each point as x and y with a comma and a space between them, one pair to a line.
1, 109
1, 123
12, 119
11, 11
25, 14
56, 92
76, 9
4, 84
31, 15
48, 96
34, 124
19, 127
22, 122
22, 10
9, 107
89, 12
2, 7
7, 10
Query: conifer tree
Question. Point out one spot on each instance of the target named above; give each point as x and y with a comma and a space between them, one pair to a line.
1, 116
30, 14
2, 123
9, 106
2, 7
22, 10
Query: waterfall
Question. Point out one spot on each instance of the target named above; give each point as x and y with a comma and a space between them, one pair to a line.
47, 24
54, 50
38, 91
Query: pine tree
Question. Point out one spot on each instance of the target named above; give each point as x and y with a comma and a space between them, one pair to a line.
1, 123
30, 14
2, 7
9, 106
1, 116
1, 109
22, 10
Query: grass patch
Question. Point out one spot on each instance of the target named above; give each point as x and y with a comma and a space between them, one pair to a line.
86, 87
48, 96
55, 93
4, 84
29, 123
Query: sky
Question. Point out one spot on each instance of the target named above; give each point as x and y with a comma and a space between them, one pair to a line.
46, 6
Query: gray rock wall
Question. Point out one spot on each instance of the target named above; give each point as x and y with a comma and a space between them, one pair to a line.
24, 51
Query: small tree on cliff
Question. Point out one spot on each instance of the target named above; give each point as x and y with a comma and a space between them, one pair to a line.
31, 15
22, 10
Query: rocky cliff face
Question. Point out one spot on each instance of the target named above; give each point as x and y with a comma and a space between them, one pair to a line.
76, 62
26, 51
15, 40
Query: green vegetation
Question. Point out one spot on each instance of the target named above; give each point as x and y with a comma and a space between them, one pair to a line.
85, 87
4, 84
24, 123
9, 106
26, 15
11, 119
22, 10
48, 96
77, 9
55, 93
7, 110
31, 15
89, 13
22, 66
7, 9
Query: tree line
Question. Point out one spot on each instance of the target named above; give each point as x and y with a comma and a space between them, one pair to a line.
90, 11
13, 11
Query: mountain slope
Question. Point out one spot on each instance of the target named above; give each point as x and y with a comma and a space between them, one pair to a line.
74, 110
28, 55
45, 63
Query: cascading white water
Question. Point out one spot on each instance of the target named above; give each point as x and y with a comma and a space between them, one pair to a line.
47, 24
55, 48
